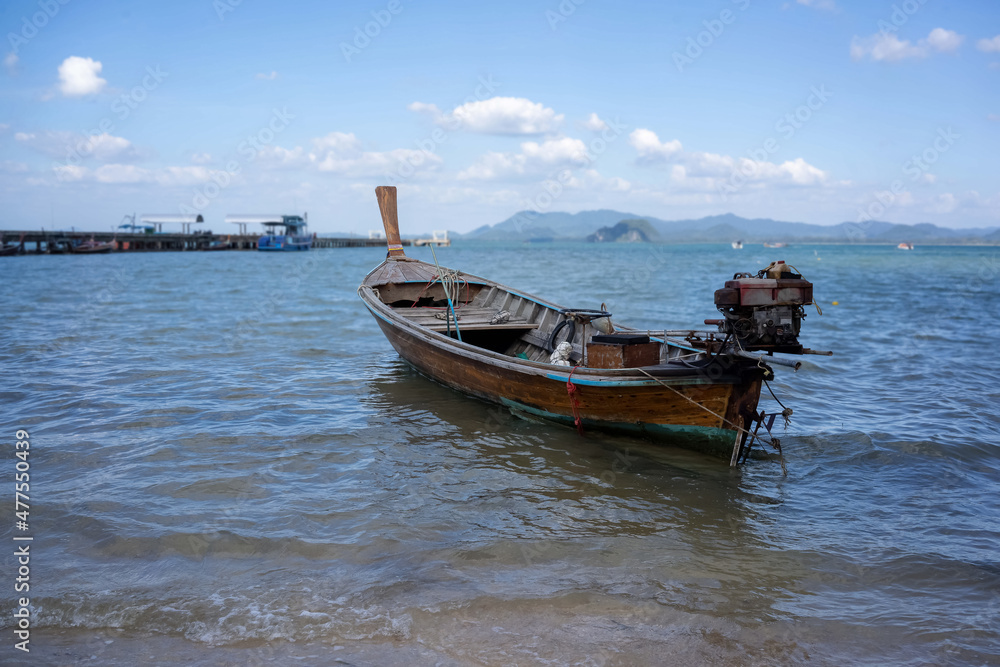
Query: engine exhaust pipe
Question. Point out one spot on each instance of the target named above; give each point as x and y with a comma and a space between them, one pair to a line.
768, 360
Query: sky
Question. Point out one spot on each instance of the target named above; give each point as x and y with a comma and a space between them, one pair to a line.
820, 111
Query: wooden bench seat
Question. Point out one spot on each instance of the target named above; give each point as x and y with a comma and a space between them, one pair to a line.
469, 319
483, 326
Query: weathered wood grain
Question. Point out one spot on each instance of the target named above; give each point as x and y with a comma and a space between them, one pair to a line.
386, 195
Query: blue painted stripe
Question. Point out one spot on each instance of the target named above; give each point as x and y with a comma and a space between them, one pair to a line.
378, 314
629, 383
704, 438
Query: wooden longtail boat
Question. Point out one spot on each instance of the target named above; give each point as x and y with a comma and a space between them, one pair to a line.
8, 249
94, 247
495, 343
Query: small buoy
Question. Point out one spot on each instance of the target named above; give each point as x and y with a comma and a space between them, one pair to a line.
836, 303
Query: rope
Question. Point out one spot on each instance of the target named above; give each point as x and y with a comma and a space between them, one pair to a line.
691, 400
786, 413
571, 390
774, 442
433, 280
449, 282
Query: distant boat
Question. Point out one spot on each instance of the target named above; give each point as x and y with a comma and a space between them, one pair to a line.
59, 246
738, 245
8, 249
218, 244
905, 246
293, 234
776, 245
93, 247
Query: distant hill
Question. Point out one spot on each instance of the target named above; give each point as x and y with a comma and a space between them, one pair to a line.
626, 231
527, 225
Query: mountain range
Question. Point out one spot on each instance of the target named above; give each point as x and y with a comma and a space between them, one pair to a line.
530, 225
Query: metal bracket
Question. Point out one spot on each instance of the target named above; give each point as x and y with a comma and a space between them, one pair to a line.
759, 419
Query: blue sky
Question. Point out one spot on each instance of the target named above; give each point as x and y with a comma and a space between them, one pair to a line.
819, 111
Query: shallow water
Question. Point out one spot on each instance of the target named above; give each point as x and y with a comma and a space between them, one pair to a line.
230, 465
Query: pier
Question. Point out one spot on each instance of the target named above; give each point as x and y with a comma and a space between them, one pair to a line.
42, 242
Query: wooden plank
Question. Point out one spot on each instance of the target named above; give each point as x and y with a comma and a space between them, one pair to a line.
386, 195
481, 326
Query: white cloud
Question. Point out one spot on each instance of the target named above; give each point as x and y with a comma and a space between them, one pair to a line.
267, 77
201, 158
122, 173
556, 151
79, 76
944, 41
188, 175
649, 147
108, 148
423, 107
497, 115
594, 123
10, 62
534, 158
591, 180
696, 170
493, 166
884, 47
797, 171
128, 174
342, 153
344, 143
888, 47
70, 172
69, 145
278, 157
944, 203
989, 45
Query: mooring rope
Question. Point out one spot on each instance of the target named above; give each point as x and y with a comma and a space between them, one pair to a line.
774, 442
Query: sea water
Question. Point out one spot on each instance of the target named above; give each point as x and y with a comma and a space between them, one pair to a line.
230, 465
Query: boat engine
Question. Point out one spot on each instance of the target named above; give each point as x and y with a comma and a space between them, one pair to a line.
764, 311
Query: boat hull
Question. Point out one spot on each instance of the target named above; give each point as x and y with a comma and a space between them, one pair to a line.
284, 243
694, 410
